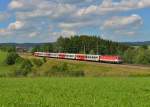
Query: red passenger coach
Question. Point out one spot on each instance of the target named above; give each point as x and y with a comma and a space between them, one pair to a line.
81, 57
36, 54
61, 55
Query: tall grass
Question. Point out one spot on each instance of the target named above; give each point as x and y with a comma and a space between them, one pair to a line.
75, 92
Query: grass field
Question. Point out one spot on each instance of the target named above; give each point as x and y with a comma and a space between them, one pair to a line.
75, 92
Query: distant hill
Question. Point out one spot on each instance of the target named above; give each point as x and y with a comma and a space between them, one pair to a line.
137, 43
30, 45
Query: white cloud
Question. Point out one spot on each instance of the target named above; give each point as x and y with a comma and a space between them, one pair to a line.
4, 16
123, 22
44, 8
124, 32
118, 26
73, 1
143, 3
15, 4
64, 33
88, 10
16, 25
108, 6
33, 34
4, 32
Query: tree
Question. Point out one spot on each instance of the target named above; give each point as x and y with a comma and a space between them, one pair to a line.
83, 44
142, 56
92, 52
129, 55
8, 48
144, 46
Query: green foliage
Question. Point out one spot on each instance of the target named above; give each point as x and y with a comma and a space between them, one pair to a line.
60, 68
144, 46
64, 70
129, 56
92, 52
44, 59
25, 68
143, 56
8, 48
138, 55
11, 58
43, 48
19, 60
83, 44
75, 92
37, 62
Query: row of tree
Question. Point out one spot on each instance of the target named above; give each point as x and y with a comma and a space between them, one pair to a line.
7, 48
140, 55
83, 44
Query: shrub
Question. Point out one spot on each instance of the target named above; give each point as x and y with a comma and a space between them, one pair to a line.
44, 59
11, 58
64, 70
37, 62
76, 73
25, 68
19, 60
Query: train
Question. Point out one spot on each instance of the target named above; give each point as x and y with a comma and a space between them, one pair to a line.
82, 57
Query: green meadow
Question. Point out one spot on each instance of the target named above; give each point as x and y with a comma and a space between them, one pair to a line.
75, 92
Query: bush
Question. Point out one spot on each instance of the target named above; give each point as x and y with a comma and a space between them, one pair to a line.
11, 58
19, 60
60, 68
76, 73
25, 68
44, 59
37, 62
63, 70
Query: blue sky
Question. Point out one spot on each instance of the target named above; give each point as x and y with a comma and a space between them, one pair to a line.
25, 21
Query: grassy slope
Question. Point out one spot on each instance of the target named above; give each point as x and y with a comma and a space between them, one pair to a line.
75, 92
96, 69
90, 69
